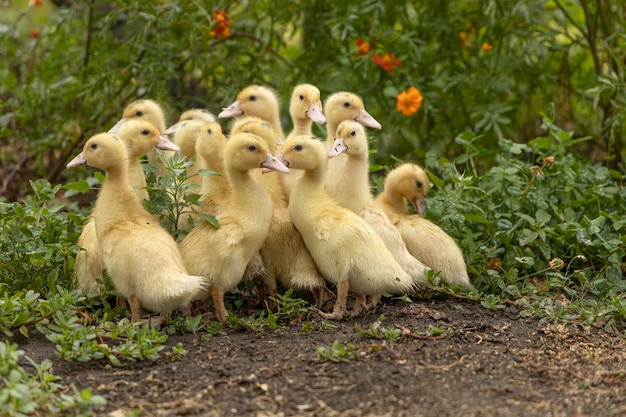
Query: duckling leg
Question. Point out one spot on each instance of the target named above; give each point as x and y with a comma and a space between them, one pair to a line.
217, 295
321, 295
135, 309
373, 301
340, 305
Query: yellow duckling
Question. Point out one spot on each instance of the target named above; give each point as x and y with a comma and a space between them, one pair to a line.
152, 112
339, 107
141, 258
221, 255
305, 107
140, 137
257, 101
284, 253
202, 115
345, 248
353, 192
425, 240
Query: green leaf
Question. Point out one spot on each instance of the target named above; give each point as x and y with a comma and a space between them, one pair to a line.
81, 186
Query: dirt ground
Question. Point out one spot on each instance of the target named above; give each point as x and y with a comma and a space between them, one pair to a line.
489, 363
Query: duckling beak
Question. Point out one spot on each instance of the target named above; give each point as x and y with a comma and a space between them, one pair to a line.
367, 120
315, 113
282, 159
338, 148
77, 161
166, 144
231, 111
117, 125
419, 204
272, 163
172, 129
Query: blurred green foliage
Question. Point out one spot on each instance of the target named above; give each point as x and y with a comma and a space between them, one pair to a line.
488, 67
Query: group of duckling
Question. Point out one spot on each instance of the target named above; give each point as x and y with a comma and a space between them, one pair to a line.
292, 210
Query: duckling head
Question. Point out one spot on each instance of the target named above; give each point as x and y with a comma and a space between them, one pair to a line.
202, 115
103, 151
411, 182
254, 100
306, 103
350, 138
257, 127
144, 109
211, 141
348, 106
304, 152
140, 136
245, 151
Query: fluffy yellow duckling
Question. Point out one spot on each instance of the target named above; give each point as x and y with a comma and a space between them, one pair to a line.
150, 111
257, 101
141, 258
244, 222
305, 107
339, 107
345, 248
353, 192
425, 240
202, 115
140, 137
284, 253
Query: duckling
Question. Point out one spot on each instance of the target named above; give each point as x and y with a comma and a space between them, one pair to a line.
140, 137
202, 115
425, 240
284, 253
305, 107
353, 192
258, 101
339, 107
346, 249
244, 222
151, 111
216, 190
141, 258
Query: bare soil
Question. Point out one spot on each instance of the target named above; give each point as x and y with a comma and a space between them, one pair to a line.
490, 363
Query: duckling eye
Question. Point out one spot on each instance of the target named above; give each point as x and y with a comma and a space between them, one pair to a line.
138, 113
145, 132
298, 148
252, 98
252, 148
346, 104
94, 146
301, 97
209, 131
353, 133
418, 184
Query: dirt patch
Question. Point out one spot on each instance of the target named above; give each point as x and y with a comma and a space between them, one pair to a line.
487, 363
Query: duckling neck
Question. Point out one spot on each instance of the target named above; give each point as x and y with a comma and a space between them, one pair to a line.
137, 178
301, 126
310, 188
352, 190
393, 202
245, 189
117, 199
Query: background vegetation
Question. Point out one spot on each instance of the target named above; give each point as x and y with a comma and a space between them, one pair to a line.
521, 128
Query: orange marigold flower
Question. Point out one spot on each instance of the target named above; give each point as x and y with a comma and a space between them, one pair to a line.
486, 47
463, 35
222, 29
409, 101
35, 3
363, 46
34, 34
387, 62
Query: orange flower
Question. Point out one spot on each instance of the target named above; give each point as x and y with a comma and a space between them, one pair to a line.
35, 3
409, 101
222, 29
486, 47
463, 35
387, 62
363, 46
35, 33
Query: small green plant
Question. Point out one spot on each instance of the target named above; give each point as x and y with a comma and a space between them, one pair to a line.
492, 302
377, 331
312, 326
24, 393
337, 352
288, 308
